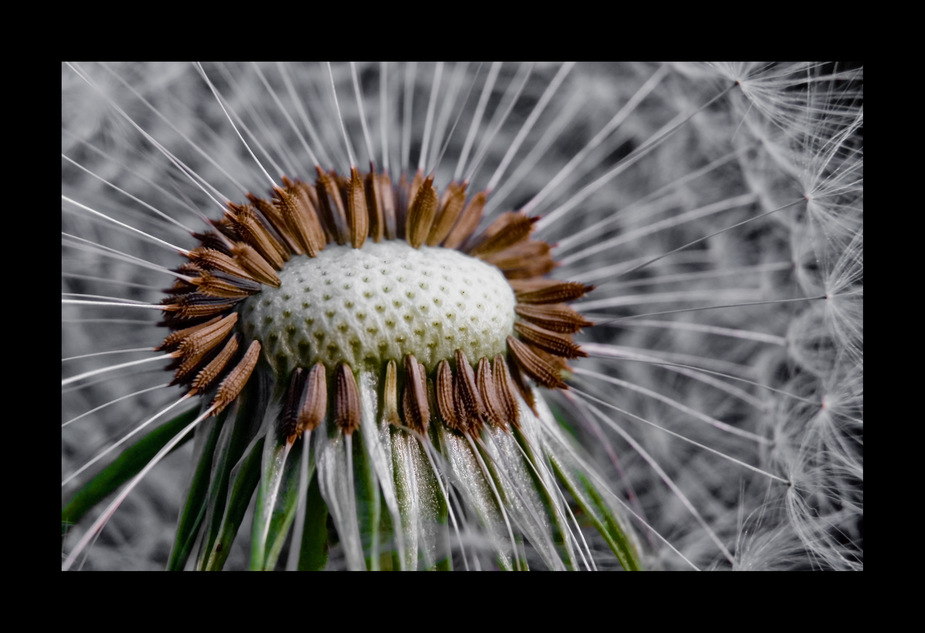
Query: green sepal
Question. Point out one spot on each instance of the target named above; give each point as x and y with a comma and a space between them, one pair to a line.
423, 510
600, 515
277, 500
313, 553
127, 465
244, 479
233, 441
554, 508
195, 509
369, 502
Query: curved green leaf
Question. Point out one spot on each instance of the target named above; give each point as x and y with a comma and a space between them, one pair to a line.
195, 509
244, 479
127, 465
313, 553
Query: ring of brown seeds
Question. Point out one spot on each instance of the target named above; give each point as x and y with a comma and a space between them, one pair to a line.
217, 340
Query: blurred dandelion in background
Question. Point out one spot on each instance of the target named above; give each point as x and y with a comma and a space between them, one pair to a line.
714, 421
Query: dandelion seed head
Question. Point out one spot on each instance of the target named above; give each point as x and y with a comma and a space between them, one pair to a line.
720, 313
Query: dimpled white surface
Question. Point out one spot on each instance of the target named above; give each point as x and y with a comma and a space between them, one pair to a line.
384, 301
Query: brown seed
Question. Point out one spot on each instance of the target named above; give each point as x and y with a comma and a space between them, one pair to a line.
347, 412
504, 388
520, 255
252, 230
331, 205
374, 206
386, 196
273, 213
211, 259
390, 395
231, 387
451, 204
204, 339
216, 366
314, 400
357, 214
506, 231
553, 342
315, 202
557, 317
301, 219
193, 349
414, 400
289, 418
469, 406
543, 370
412, 188
548, 290
197, 306
493, 407
219, 285
468, 221
174, 338
520, 381
445, 392
421, 213
256, 265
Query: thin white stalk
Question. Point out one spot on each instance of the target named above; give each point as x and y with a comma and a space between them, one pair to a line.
624, 354
384, 123
410, 72
428, 448
715, 307
87, 245
109, 352
259, 121
199, 150
175, 199
122, 304
657, 139
303, 116
119, 282
450, 100
429, 118
285, 114
663, 225
515, 89
221, 104
295, 549
611, 125
699, 275
671, 402
593, 232
147, 236
340, 118
672, 297
362, 112
759, 337
103, 370
111, 402
711, 533
477, 119
122, 440
529, 123
706, 237
529, 163
100, 523
151, 208
197, 180
494, 490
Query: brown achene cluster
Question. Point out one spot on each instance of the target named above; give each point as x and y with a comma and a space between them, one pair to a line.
253, 241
